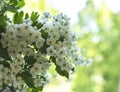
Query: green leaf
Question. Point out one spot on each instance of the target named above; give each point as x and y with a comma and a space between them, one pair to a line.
21, 3
1, 30
34, 16
18, 17
27, 77
62, 72
13, 2
29, 60
38, 89
53, 59
39, 25
61, 38
26, 16
2, 24
4, 53
44, 34
12, 8
14, 5
43, 49
5, 63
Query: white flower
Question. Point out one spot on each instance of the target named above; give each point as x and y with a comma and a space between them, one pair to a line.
50, 41
36, 69
59, 45
55, 35
47, 27
46, 15
44, 66
8, 81
19, 59
7, 73
36, 34
38, 82
51, 51
56, 19
27, 21
40, 42
38, 56
63, 17
28, 51
30, 34
65, 65
15, 67
81, 60
22, 45
62, 52
44, 18
73, 36
83, 51
21, 90
89, 61
18, 82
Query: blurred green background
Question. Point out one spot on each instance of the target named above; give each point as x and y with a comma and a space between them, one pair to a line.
98, 26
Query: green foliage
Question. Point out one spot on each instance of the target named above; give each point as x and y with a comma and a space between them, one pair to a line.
18, 17
30, 81
105, 50
3, 62
34, 16
38, 89
58, 69
26, 15
29, 61
43, 49
27, 78
4, 53
62, 72
17, 3
2, 23
14, 5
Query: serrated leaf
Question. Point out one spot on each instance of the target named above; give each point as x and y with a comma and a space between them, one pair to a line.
12, 8
18, 17
34, 16
27, 77
1, 30
26, 15
2, 23
21, 3
53, 59
62, 72
14, 5
5, 63
43, 49
39, 25
38, 89
4, 53
15, 17
13, 2
44, 34
29, 60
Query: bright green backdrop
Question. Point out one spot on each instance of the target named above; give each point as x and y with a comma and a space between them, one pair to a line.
101, 29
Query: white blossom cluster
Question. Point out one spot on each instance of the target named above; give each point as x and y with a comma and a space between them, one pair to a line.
56, 36
8, 75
